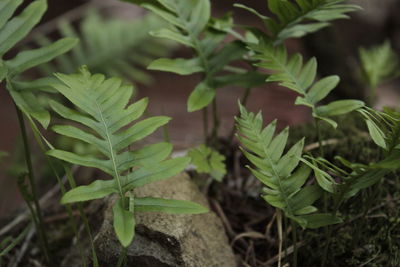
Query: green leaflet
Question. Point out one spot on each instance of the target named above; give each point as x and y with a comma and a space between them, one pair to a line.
201, 96
29, 105
172, 206
124, 223
208, 160
339, 107
31, 58
179, 65
298, 18
18, 27
281, 173
11, 32
97, 189
105, 118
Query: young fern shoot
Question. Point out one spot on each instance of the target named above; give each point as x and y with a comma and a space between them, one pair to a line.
102, 109
283, 175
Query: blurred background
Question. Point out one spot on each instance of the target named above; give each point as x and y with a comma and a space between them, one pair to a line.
115, 41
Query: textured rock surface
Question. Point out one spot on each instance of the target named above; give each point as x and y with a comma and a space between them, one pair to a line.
169, 240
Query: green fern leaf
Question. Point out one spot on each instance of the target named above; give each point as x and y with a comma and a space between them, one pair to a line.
105, 116
208, 160
13, 30
291, 73
113, 47
191, 24
379, 64
282, 174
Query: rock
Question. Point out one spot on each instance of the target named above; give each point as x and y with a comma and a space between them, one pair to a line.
169, 240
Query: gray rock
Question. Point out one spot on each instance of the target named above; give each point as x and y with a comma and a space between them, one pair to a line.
169, 240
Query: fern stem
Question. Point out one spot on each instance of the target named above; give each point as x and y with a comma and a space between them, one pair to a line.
31, 177
279, 226
295, 249
41, 141
214, 135
85, 220
319, 135
122, 258
205, 125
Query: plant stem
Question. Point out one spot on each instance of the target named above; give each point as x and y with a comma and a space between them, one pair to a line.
122, 258
279, 226
205, 125
319, 135
85, 220
294, 234
32, 183
214, 135
244, 99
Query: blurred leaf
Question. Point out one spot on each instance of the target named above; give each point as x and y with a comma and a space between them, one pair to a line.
208, 160
201, 96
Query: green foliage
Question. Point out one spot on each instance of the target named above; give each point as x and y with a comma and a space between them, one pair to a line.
295, 19
208, 160
114, 47
384, 129
191, 24
282, 174
14, 29
291, 73
378, 64
102, 109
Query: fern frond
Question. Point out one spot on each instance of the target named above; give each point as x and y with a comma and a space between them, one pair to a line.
282, 174
295, 19
13, 30
113, 47
292, 73
191, 24
384, 129
379, 64
105, 116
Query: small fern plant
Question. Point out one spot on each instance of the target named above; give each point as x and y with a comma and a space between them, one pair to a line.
378, 64
103, 111
112, 46
284, 176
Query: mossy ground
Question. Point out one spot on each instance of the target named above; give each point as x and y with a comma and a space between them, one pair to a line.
370, 234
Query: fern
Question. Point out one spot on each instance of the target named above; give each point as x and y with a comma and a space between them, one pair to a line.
112, 47
14, 29
291, 73
208, 160
191, 24
283, 176
102, 107
295, 19
378, 64
384, 129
